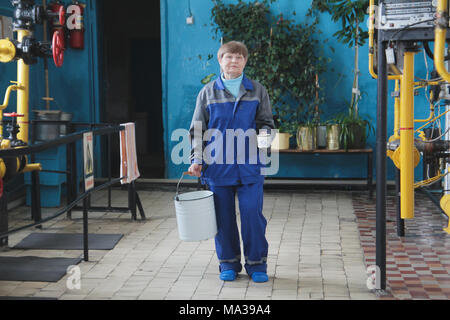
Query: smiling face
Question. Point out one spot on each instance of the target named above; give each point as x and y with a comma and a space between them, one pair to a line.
232, 65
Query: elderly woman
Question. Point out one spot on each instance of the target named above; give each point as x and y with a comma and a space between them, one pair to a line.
234, 103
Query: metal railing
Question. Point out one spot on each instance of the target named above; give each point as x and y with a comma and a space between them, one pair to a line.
73, 197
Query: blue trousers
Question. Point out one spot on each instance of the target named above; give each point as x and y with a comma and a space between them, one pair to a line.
253, 227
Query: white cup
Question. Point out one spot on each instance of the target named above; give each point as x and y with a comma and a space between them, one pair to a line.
264, 141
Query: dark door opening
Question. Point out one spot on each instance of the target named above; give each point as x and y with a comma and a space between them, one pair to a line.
132, 89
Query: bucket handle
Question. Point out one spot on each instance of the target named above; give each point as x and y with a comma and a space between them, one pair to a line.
178, 185
181, 178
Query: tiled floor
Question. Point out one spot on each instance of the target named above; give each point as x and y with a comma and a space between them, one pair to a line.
320, 244
314, 253
417, 265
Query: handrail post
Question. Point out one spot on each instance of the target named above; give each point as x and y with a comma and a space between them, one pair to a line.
381, 186
132, 200
3, 220
85, 229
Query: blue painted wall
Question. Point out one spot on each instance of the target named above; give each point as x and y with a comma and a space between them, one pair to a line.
183, 69
185, 48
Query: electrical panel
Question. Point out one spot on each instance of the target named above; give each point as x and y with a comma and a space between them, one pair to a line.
411, 14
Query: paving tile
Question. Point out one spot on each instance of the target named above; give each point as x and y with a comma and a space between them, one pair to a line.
316, 251
414, 261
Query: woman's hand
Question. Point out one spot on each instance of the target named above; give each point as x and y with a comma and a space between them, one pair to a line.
195, 170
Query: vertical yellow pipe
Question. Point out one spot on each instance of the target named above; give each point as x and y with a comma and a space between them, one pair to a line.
397, 111
407, 137
23, 79
439, 43
371, 37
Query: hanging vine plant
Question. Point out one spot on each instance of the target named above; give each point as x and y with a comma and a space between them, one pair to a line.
283, 56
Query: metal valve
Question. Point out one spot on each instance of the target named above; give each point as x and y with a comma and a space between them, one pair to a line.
13, 129
58, 48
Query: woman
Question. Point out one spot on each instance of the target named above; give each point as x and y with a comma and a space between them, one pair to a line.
232, 110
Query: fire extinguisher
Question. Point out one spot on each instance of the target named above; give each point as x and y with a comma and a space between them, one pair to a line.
57, 23
75, 25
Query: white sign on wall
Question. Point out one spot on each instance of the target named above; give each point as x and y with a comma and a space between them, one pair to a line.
88, 151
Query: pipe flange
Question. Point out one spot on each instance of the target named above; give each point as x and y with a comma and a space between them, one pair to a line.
8, 51
395, 156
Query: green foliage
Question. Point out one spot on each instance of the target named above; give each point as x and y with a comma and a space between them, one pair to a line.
283, 56
351, 13
349, 124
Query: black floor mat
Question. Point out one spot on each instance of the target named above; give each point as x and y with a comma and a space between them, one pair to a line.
68, 241
35, 268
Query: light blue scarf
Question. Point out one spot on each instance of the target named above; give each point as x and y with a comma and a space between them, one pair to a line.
233, 85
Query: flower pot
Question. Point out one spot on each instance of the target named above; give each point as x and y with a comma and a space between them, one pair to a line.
307, 138
281, 141
359, 134
321, 137
333, 132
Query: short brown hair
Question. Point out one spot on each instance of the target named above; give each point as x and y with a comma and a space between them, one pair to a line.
233, 47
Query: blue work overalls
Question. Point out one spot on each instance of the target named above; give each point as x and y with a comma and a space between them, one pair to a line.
223, 111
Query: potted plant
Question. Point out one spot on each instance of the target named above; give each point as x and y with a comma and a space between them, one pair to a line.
353, 127
282, 56
333, 132
322, 135
307, 136
286, 123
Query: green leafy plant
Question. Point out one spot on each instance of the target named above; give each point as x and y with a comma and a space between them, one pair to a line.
354, 129
283, 56
351, 13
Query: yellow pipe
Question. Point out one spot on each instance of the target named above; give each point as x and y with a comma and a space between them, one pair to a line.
7, 95
439, 43
371, 42
396, 136
2, 168
422, 84
371, 38
434, 119
6, 103
397, 111
431, 111
23, 74
407, 137
32, 167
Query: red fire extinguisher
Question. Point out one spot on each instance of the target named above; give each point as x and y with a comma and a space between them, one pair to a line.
75, 24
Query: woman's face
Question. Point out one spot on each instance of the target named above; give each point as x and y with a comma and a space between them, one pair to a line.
232, 65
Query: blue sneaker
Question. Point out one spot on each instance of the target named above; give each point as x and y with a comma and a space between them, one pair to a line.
260, 277
228, 275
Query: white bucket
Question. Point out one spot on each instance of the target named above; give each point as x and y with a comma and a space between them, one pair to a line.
196, 215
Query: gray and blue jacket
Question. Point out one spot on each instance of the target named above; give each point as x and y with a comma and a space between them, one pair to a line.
223, 132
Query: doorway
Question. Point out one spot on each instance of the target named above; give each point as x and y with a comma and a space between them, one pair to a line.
130, 51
